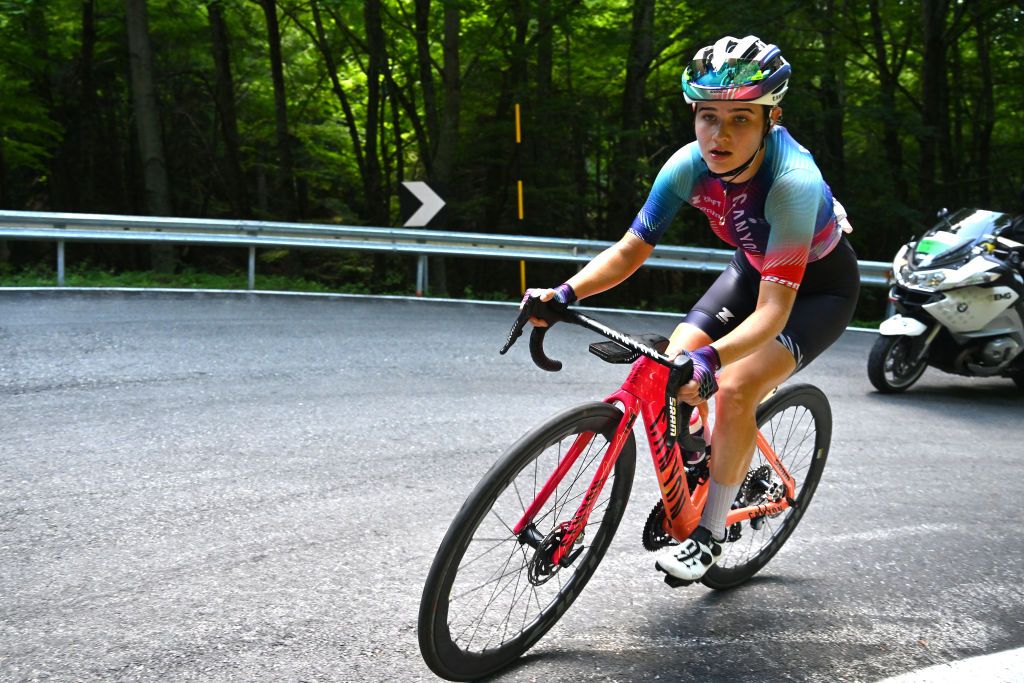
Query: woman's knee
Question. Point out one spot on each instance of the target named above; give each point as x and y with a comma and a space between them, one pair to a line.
739, 393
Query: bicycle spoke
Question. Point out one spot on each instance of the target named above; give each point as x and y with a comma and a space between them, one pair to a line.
500, 588
792, 434
486, 552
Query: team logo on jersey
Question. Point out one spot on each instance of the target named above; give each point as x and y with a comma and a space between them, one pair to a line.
725, 315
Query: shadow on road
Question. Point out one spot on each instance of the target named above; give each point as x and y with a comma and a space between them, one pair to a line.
987, 394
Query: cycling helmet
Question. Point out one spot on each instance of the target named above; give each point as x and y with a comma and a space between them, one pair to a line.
741, 69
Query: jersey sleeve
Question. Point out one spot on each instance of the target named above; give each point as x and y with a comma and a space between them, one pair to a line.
791, 210
671, 188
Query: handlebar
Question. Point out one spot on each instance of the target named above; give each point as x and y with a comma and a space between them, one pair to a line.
680, 367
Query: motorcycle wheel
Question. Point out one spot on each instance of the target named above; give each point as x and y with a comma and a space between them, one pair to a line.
890, 367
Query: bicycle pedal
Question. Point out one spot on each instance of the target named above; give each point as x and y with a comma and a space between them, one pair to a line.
673, 582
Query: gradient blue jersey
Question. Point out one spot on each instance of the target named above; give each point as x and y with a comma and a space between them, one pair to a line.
783, 218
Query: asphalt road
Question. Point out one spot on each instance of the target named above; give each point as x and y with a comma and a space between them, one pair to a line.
241, 488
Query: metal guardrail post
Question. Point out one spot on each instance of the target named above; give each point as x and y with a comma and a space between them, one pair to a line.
421, 275
60, 263
252, 267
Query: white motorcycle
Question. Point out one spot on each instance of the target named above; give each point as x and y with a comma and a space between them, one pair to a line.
959, 301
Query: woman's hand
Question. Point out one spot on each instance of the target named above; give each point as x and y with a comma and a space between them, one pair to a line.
703, 385
563, 293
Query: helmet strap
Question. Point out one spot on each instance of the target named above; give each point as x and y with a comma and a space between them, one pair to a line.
729, 175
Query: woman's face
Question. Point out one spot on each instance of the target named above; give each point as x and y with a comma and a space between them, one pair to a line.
728, 133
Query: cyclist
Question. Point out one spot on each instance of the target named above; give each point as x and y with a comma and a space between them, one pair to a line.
792, 285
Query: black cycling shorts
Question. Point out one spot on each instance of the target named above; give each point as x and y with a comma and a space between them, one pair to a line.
823, 308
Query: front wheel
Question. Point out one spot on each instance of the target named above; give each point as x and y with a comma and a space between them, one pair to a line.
797, 423
892, 366
490, 594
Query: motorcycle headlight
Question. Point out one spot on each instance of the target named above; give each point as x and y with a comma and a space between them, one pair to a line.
935, 279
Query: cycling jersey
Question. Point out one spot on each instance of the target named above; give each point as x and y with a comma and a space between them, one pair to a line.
782, 218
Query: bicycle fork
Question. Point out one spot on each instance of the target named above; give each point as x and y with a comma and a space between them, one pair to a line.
571, 531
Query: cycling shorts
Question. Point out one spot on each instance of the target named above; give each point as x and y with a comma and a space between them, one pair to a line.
823, 308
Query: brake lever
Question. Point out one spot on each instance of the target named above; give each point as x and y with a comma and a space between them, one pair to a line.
517, 328
678, 430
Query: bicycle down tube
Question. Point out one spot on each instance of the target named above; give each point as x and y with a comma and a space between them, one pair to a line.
642, 394
638, 396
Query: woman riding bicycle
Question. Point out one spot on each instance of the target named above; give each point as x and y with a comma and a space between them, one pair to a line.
791, 287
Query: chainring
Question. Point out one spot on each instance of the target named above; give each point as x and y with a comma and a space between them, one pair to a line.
655, 536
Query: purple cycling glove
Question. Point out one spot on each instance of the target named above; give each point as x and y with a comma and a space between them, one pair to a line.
564, 294
706, 363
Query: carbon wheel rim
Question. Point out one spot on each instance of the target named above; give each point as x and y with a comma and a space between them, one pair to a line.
492, 601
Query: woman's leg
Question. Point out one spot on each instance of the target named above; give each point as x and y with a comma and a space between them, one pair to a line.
687, 337
741, 387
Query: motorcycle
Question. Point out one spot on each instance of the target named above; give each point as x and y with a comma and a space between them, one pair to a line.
959, 301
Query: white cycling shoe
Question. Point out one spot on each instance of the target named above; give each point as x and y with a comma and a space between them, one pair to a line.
691, 559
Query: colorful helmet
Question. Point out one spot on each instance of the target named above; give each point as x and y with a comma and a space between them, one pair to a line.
741, 69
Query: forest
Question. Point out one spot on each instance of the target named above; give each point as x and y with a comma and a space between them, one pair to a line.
317, 110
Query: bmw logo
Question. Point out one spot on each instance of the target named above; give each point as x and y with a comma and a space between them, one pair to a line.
961, 307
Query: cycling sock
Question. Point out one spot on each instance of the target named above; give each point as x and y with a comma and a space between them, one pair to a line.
719, 503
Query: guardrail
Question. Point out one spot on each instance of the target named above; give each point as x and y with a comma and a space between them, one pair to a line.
74, 227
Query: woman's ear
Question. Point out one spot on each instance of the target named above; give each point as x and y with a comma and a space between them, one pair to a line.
775, 116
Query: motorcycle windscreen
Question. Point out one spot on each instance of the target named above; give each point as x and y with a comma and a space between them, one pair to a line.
953, 240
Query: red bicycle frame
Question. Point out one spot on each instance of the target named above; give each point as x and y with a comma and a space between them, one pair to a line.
643, 394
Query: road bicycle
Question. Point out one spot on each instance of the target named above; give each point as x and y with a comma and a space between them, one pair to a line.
532, 532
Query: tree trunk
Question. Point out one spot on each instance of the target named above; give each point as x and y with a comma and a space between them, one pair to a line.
933, 114
224, 95
833, 101
339, 91
286, 175
448, 134
426, 73
622, 205
952, 150
85, 149
545, 171
377, 210
985, 118
147, 125
888, 82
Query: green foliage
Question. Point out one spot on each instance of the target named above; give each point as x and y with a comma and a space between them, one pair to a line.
67, 136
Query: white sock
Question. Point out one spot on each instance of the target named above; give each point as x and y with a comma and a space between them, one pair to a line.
720, 500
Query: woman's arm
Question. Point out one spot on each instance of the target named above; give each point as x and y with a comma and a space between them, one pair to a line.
774, 304
604, 271
611, 267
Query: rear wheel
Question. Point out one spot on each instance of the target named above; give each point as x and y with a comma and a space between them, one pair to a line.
490, 594
892, 366
797, 422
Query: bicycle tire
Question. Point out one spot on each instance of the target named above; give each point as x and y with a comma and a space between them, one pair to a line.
800, 404
446, 651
